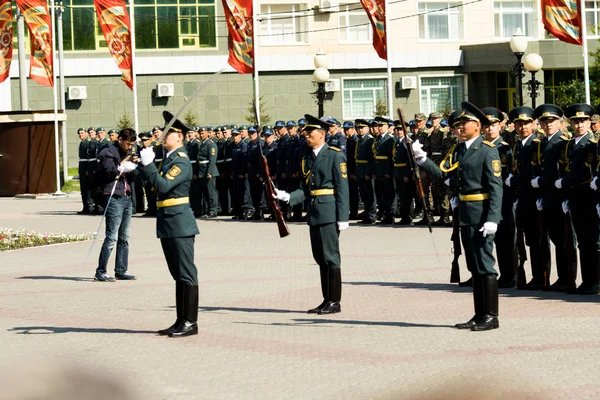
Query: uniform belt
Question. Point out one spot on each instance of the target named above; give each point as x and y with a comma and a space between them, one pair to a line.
158, 159
228, 159
203, 161
83, 160
474, 197
381, 157
92, 159
436, 153
220, 161
362, 161
193, 161
172, 202
400, 164
322, 192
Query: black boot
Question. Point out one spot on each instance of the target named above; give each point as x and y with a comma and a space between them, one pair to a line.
466, 283
477, 302
179, 305
335, 292
324, 291
490, 305
189, 325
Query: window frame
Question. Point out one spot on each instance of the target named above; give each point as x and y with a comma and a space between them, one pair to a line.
263, 40
462, 24
363, 78
346, 14
441, 76
534, 24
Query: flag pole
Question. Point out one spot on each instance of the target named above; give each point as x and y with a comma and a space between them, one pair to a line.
55, 99
389, 63
135, 97
586, 63
255, 23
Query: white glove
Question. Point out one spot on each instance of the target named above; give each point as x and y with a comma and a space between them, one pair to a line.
565, 206
593, 184
539, 205
418, 150
534, 182
598, 209
281, 195
507, 180
447, 182
126, 166
558, 183
515, 204
343, 225
489, 228
147, 156
454, 202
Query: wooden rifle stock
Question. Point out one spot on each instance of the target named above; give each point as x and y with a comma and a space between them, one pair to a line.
281, 224
414, 166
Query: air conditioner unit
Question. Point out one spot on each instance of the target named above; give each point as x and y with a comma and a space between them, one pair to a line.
76, 92
332, 85
408, 82
165, 90
329, 6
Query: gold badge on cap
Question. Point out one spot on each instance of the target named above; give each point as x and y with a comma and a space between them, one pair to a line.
580, 114
523, 116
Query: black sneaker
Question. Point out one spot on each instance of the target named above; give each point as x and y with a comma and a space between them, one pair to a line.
103, 278
125, 277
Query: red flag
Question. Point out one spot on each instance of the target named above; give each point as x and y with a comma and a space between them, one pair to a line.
562, 18
37, 17
241, 41
376, 11
6, 38
116, 27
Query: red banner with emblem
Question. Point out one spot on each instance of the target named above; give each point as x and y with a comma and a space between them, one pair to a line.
238, 14
116, 27
562, 18
38, 20
376, 11
6, 38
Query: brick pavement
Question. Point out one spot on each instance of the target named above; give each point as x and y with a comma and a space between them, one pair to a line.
393, 339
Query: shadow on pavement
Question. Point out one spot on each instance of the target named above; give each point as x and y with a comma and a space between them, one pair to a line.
57, 213
46, 330
452, 287
57, 278
252, 310
399, 324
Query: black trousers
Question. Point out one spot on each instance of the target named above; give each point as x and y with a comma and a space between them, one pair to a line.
293, 183
367, 194
196, 196
257, 193
386, 189
179, 253
506, 243
585, 224
529, 219
223, 186
354, 197
478, 251
84, 184
238, 195
555, 228
405, 193
325, 245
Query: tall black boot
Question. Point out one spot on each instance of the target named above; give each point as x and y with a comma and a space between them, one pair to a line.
477, 302
179, 305
490, 305
324, 290
335, 292
189, 326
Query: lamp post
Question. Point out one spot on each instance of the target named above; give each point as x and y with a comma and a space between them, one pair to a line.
518, 45
533, 63
320, 76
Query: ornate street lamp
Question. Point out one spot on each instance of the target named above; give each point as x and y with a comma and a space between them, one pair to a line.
533, 63
320, 77
518, 45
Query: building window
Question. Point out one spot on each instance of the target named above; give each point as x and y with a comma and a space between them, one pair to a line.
506, 92
159, 24
282, 24
441, 93
440, 21
592, 17
354, 24
510, 15
553, 79
361, 96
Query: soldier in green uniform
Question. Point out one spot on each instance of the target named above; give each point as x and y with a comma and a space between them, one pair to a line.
363, 155
506, 237
207, 174
581, 203
92, 155
382, 170
351, 142
192, 150
84, 181
175, 224
480, 202
403, 177
325, 184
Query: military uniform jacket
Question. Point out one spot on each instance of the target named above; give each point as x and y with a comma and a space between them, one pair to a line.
253, 158
478, 171
363, 155
238, 158
338, 140
207, 159
227, 167
383, 147
327, 171
581, 166
270, 151
549, 154
400, 157
92, 155
221, 145
523, 169
192, 150
159, 152
83, 153
506, 158
292, 156
282, 155
351, 144
171, 182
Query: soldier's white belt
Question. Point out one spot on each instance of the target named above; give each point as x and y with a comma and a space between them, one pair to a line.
362, 161
193, 161
83, 160
172, 202
203, 161
228, 159
322, 192
436, 153
220, 161
158, 159
474, 197
400, 164
381, 157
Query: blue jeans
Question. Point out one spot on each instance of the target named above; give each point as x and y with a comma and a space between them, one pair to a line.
118, 219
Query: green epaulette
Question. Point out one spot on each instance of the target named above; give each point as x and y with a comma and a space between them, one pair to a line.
489, 143
334, 148
182, 154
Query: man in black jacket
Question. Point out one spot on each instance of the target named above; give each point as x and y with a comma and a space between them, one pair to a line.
117, 172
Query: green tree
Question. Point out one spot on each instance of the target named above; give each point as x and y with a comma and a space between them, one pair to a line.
570, 92
125, 121
251, 116
190, 118
381, 108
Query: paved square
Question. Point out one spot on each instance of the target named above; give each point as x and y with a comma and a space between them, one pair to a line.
393, 339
